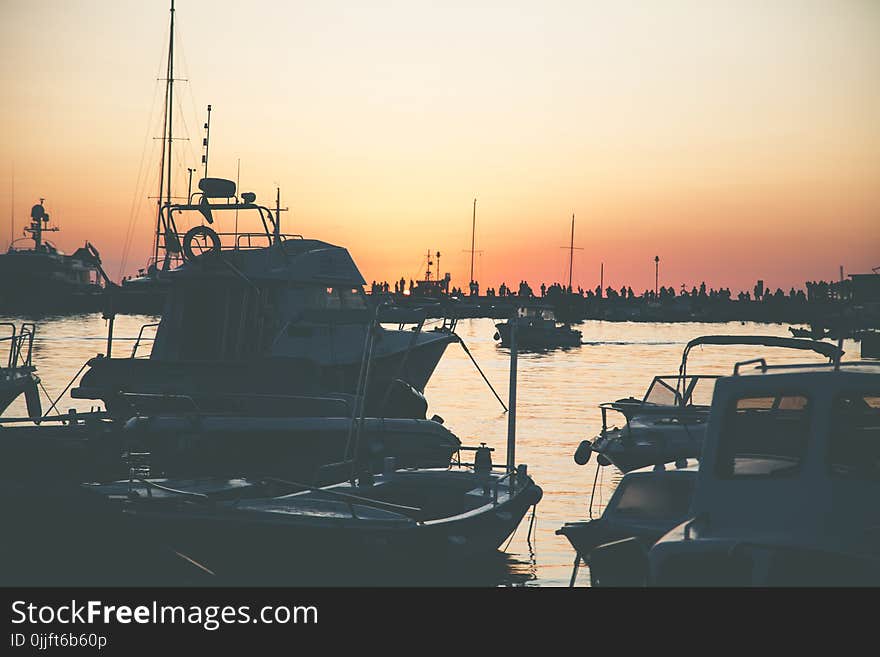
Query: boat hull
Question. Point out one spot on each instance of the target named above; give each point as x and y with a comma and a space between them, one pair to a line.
245, 386
286, 540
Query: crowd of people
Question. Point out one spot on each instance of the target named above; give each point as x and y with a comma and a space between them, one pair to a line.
815, 291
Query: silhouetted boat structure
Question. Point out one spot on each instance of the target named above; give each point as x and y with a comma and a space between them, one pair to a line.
669, 422
18, 376
646, 504
265, 313
537, 329
244, 529
43, 279
787, 488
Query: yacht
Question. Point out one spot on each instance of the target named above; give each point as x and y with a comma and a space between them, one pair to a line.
787, 485
669, 422
252, 316
40, 277
537, 329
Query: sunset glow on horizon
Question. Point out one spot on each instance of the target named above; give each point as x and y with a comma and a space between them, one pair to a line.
736, 140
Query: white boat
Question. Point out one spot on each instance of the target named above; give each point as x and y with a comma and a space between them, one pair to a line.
669, 423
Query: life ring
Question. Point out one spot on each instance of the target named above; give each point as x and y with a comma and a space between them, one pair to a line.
195, 242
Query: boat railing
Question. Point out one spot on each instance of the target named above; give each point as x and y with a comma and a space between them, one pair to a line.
21, 343
245, 241
140, 337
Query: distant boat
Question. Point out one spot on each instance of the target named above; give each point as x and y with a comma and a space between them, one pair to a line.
42, 278
537, 328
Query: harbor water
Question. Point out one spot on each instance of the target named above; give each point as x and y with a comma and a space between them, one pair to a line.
557, 407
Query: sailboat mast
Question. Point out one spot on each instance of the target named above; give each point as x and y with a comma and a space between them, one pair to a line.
571, 254
170, 110
473, 239
166, 139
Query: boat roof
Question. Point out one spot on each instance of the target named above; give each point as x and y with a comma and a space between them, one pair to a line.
827, 349
293, 260
860, 367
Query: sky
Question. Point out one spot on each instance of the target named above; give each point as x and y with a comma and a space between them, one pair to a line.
736, 140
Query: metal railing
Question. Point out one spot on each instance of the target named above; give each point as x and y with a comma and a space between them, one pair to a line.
140, 336
21, 343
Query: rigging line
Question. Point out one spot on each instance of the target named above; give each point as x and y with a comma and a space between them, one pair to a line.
66, 388
140, 196
137, 196
184, 68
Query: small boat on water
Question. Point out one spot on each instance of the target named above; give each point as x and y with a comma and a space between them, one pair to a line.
245, 527
787, 488
646, 504
537, 329
669, 422
42, 278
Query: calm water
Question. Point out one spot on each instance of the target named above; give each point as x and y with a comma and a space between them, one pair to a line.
556, 404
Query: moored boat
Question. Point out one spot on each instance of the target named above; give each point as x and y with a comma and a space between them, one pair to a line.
669, 422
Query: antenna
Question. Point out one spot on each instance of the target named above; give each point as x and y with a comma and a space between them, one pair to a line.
206, 142
571, 249
237, 183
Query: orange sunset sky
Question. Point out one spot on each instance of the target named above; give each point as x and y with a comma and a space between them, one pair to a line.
737, 140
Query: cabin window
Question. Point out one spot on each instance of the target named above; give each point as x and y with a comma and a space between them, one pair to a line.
764, 436
352, 299
666, 496
854, 443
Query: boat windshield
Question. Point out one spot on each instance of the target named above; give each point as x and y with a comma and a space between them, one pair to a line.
681, 391
854, 443
764, 436
659, 497
334, 298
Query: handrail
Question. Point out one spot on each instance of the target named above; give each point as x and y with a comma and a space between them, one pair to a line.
137, 342
751, 361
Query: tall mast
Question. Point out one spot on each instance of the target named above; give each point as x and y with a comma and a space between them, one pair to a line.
571, 253
165, 161
473, 238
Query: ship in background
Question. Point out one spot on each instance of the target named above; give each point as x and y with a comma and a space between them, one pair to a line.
41, 278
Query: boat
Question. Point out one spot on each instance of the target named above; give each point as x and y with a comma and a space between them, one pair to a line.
238, 526
18, 377
246, 528
537, 329
646, 504
263, 313
669, 422
42, 278
787, 486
